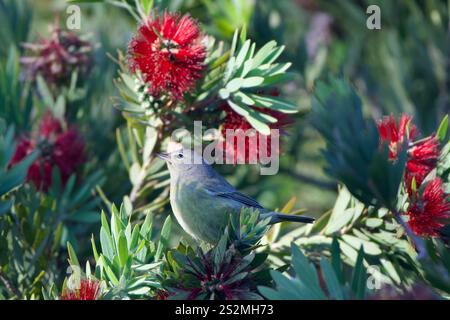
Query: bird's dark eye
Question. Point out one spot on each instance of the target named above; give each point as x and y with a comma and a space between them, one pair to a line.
180, 156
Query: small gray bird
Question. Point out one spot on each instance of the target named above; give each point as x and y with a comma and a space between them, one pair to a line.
202, 199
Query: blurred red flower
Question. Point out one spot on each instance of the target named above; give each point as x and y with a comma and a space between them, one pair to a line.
252, 149
170, 54
422, 159
427, 213
89, 290
58, 56
422, 154
63, 148
394, 133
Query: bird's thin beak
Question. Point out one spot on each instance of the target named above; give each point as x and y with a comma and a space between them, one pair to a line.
163, 155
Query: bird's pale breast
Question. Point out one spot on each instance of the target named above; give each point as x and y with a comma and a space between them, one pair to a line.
200, 214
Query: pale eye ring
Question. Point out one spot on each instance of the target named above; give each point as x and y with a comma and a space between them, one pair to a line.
180, 156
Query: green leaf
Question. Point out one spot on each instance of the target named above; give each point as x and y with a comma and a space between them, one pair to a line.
262, 53
106, 244
94, 249
234, 85
44, 92
442, 130
73, 260
252, 82
105, 224
359, 279
305, 270
331, 280
273, 103
123, 249
165, 236
369, 247
336, 259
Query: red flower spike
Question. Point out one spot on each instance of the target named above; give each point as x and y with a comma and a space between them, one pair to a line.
422, 154
59, 147
89, 290
169, 53
251, 151
423, 157
427, 214
395, 134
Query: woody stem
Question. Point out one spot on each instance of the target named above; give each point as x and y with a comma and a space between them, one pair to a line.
418, 242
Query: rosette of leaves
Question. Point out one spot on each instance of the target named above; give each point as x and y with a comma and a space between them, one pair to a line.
353, 151
128, 260
230, 270
247, 73
245, 230
218, 274
327, 280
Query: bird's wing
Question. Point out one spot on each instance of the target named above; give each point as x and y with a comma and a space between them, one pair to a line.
236, 196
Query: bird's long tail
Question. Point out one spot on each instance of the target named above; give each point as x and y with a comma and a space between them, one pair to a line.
280, 217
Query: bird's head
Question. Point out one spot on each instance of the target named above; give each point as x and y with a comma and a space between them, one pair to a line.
183, 161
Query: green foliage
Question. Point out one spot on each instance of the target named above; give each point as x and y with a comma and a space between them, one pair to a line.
306, 284
15, 100
353, 150
436, 269
33, 225
247, 72
16, 18
355, 226
11, 178
128, 259
36, 227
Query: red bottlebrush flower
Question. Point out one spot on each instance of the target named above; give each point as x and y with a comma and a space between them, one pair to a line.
395, 134
428, 213
58, 56
89, 290
169, 53
254, 142
57, 146
422, 154
422, 159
